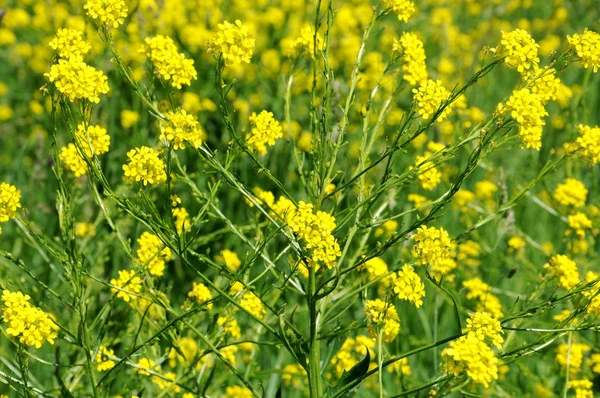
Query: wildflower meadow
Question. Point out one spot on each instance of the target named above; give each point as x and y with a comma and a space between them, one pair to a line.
299, 198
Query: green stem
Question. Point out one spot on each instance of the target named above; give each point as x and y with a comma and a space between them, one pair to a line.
314, 371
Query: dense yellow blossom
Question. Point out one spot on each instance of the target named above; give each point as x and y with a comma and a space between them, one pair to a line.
429, 97
471, 356
414, 69
265, 130
233, 43
76, 80
107, 12
521, 50
432, 245
571, 192
583, 388
72, 160
127, 284
376, 267
93, 139
152, 253
352, 351
237, 392
429, 175
29, 324
571, 354
69, 43
408, 285
587, 48
484, 326
201, 294
383, 319
144, 166
579, 223
129, 118
315, 230
171, 65
182, 220
527, 109
230, 259
405, 9
588, 144
186, 346
103, 361
564, 269
10, 201
181, 127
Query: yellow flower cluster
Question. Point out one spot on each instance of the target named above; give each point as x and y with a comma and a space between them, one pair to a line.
432, 245
485, 326
188, 347
429, 97
127, 284
76, 80
587, 48
579, 222
351, 352
144, 166
405, 9
583, 388
200, 293
544, 83
165, 382
72, 160
230, 326
249, 301
182, 220
527, 110
94, 139
171, 65
29, 324
414, 69
69, 43
588, 143
521, 50
571, 355
293, 375
486, 301
376, 267
265, 130
468, 251
565, 269
429, 175
237, 392
571, 192
383, 319
408, 285
315, 230
230, 259
305, 41
233, 43
471, 356
108, 12
594, 306
181, 127
103, 361
152, 253
10, 201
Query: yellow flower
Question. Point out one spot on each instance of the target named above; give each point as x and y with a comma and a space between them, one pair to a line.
93, 139
405, 9
233, 43
587, 48
383, 318
583, 388
152, 253
102, 358
432, 245
69, 43
127, 284
414, 69
108, 12
237, 392
408, 286
230, 259
84, 229
588, 143
265, 130
72, 160
376, 267
179, 128
521, 50
171, 65
429, 97
484, 326
10, 201
182, 220
571, 354
129, 118
571, 192
579, 222
29, 324
78, 81
201, 294
144, 166
565, 269
471, 356
527, 109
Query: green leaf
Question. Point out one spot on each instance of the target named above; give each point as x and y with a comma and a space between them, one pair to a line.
355, 373
294, 342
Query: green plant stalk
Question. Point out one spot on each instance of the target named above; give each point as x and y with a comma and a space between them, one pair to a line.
314, 370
